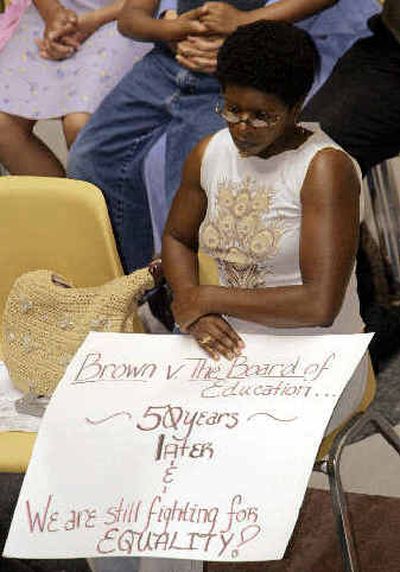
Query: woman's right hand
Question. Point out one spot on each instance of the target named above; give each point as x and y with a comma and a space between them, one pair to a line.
216, 337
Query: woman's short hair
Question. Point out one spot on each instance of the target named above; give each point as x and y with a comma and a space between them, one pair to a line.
272, 57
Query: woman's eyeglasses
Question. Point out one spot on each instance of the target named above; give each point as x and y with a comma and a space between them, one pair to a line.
260, 120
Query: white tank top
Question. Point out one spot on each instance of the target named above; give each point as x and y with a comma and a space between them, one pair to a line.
253, 219
252, 230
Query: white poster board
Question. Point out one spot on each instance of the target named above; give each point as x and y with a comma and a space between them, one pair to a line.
150, 448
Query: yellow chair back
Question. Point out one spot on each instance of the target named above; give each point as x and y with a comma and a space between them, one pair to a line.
61, 225
55, 224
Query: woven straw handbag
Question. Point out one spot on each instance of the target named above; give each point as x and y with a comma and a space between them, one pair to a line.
46, 319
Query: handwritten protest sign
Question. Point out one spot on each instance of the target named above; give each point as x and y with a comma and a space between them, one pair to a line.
150, 448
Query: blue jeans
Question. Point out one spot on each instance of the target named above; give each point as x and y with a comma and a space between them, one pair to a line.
158, 96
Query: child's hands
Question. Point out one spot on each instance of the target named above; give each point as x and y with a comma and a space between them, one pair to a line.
221, 18
57, 42
215, 19
186, 24
63, 45
216, 337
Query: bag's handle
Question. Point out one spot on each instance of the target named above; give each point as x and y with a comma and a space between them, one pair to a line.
155, 269
60, 281
159, 297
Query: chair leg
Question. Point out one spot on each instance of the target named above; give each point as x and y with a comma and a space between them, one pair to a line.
386, 430
343, 522
331, 467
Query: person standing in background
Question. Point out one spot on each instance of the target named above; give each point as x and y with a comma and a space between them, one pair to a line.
359, 104
167, 94
359, 107
60, 62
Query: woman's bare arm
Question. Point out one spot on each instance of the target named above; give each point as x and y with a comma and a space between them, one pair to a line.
180, 240
180, 263
328, 243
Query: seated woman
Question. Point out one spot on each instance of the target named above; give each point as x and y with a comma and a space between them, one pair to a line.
275, 203
60, 62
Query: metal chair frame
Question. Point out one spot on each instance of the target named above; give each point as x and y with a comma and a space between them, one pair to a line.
330, 466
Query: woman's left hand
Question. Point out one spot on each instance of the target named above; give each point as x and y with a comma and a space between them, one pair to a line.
216, 337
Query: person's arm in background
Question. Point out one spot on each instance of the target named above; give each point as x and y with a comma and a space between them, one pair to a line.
200, 53
67, 31
59, 22
290, 10
86, 24
222, 18
137, 20
89, 22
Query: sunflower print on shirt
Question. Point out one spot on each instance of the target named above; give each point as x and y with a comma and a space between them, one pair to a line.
238, 234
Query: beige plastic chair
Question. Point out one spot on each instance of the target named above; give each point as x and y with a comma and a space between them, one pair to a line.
56, 224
